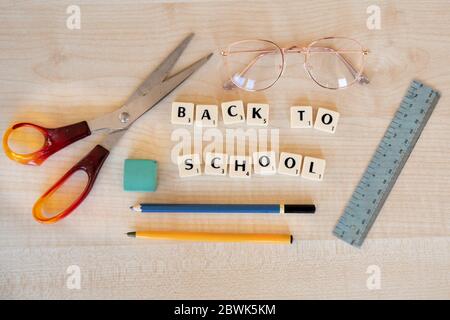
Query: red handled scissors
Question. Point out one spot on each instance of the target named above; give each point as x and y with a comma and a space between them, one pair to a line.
157, 85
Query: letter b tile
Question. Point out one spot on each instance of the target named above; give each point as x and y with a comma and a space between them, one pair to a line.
182, 113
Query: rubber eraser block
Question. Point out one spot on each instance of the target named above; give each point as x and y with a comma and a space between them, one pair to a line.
140, 175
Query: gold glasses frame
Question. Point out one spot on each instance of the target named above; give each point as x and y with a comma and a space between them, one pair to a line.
359, 76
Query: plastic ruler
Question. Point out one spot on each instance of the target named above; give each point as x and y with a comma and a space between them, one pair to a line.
386, 164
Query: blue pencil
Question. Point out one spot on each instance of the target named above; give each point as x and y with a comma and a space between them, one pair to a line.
224, 208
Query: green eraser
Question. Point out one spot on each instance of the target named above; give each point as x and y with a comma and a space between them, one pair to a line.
140, 175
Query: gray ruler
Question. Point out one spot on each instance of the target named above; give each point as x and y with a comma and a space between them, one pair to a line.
386, 164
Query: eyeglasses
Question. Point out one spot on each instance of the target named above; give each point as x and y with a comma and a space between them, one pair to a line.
332, 63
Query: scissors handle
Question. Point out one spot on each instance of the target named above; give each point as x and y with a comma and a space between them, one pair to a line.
54, 140
91, 165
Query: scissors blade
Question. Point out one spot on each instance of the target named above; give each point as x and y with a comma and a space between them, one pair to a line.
171, 83
141, 105
112, 138
144, 101
162, 71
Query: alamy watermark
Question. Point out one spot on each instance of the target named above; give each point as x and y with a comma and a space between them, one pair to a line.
73, 277
233, 141
373, 22
73, 21
373, 282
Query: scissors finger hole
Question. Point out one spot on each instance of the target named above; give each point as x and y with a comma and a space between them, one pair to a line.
26, 140
64, 195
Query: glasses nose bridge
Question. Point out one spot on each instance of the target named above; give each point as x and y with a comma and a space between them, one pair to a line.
296, 49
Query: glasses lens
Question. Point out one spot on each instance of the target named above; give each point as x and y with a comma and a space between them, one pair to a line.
335, 62
254, 64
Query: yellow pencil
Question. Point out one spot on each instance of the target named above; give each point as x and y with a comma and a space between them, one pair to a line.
213, 237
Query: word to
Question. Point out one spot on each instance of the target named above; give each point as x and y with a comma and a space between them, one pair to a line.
262, 163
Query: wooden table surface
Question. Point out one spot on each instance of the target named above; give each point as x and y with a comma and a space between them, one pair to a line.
53, 76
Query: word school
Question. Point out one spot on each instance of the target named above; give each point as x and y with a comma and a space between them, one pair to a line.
263, 163
183, 113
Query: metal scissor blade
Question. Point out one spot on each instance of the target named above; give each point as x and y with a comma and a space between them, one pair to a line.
174, 81
112, 138
162, 71
150, 92
142, 104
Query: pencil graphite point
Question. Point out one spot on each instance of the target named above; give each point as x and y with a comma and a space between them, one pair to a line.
131, 234
136, 208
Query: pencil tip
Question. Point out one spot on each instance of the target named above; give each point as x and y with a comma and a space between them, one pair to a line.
131, 234
136, 208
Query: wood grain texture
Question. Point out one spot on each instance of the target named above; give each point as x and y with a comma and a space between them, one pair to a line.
55, 76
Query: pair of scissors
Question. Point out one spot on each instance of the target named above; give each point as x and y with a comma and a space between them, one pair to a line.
154, 88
